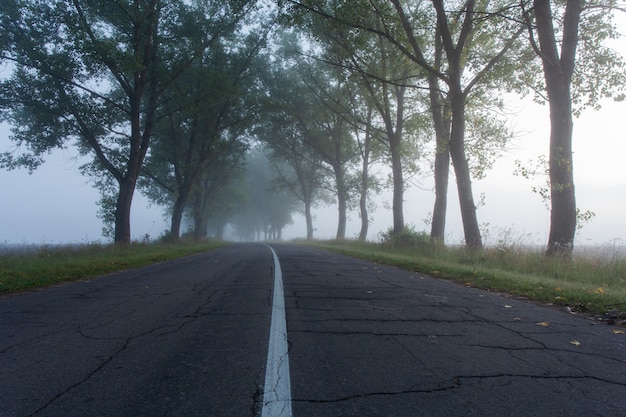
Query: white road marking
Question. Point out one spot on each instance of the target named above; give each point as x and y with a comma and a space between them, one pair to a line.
277, 393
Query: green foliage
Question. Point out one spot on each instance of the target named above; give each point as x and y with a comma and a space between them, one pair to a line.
600, 72
407, 238
94, 75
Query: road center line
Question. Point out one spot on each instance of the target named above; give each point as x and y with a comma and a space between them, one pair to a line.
277, 392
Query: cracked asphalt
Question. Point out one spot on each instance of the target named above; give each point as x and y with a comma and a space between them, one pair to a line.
181, 338
190, 337
370, 340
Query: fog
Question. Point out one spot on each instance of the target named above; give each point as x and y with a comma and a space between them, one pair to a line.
57, 205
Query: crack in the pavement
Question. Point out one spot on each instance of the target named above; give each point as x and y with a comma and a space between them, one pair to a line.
30, 340
82, 381
456, 383
172, 328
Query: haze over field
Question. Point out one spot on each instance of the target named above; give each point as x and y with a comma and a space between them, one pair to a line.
56, 204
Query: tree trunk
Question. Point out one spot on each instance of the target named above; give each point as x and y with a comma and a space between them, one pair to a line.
440, 208
122, 211
309, 219
365, 221
562, 193
341, 202
144, 82
461, 170
558, 70
219, 231
177, 218
199, 227
200, 223
441, 120
177, 214
179, 206
398, 187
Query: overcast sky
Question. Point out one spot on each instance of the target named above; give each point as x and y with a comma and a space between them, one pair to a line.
57, 205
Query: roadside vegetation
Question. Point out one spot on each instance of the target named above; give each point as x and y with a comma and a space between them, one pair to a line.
586, 284
50, 265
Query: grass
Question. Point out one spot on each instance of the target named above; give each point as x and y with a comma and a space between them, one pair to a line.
594, 284
589, 283
51, 265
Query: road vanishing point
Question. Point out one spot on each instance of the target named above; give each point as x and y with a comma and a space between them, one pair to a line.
289, 330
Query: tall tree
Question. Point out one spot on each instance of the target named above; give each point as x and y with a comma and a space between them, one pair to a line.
557, 48
385, 76
326, 130
206, 116
370, 147
94, 72
302, 126
476, 44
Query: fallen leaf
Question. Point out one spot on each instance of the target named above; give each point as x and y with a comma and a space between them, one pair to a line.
575, 342
543, 324
618, 331
599, 291
507, 306
558, 289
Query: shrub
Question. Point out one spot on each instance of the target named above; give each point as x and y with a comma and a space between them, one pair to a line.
407, 238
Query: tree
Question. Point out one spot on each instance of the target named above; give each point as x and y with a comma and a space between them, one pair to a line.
217, 190
94, 73
206, 116
476, 45
301, 129
369, 146
299, 169
383, 76
558, 58
460, 34
326, 129
300, 173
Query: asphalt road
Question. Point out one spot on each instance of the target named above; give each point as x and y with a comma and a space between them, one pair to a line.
190, 338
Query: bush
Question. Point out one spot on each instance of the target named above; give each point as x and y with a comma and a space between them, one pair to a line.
407, 238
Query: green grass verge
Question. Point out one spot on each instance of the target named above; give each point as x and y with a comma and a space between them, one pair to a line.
597, 285
594, 285
50, 265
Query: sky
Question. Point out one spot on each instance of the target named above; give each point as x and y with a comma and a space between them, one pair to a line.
55, 204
